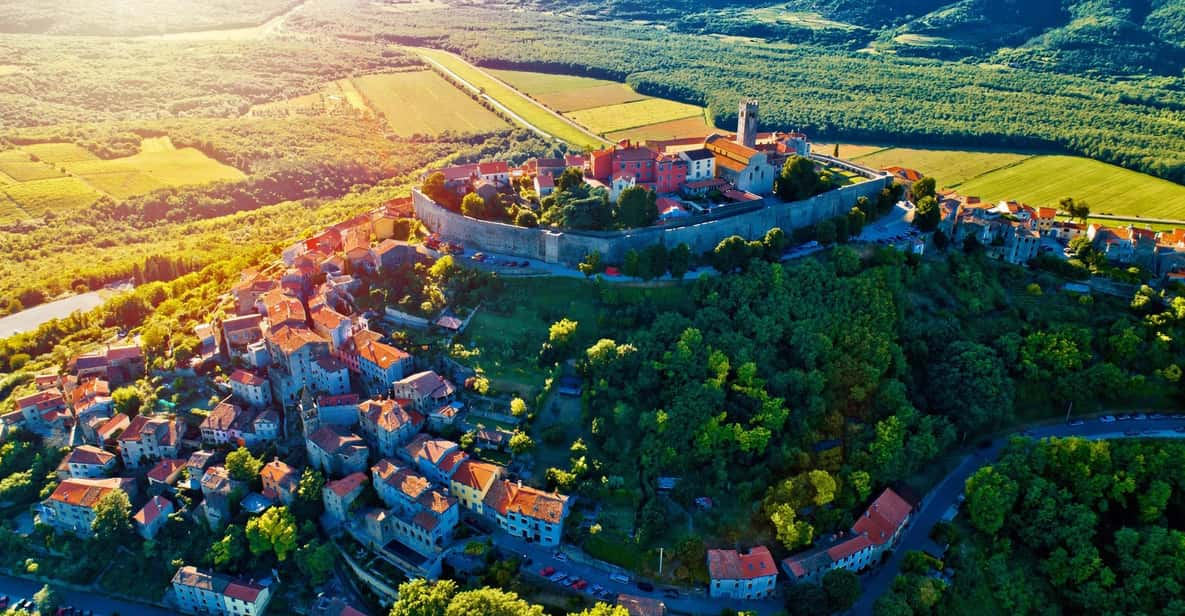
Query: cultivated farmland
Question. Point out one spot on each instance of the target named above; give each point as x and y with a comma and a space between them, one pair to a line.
34, 198
950, 167
1044, 180
518, 103
687, 127
613, 118
422, 102
565, 93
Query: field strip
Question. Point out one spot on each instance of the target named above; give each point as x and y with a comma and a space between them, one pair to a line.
512, 102
991, 171
6, 179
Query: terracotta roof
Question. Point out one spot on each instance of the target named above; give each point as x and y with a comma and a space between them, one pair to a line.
883, 518
403, 479
342, 400
332, 439
733, 565
117, 422
426, 521
153, 509
545, 180
165, 469
247, 378
87, 492
164, 429
507, 497
280, 473
200, 459
477, 475
42, 400
431, 449
388, 415
87, 454
330, 364
292, 339
127, 352
434, 501
234, 324
243, 591
708, 183
458, 172
329, 318
490, 168
727, 149
849, 546
222, 417
909, 175
428, 383
382, 355
345, 485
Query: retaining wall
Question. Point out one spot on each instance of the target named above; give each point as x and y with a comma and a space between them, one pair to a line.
701, 233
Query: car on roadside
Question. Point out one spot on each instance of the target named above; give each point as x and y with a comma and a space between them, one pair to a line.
670, 593
1123, 417
560, 556
620, 578
1157, 416
1077, 422
1139, 417
547, 572
558, 577
1107, 419
579, 584
645, 586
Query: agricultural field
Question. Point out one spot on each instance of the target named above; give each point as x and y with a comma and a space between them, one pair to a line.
647, 112
422, 102
1044, 180
518, 103
847, 151
565, 93
687, 127
16, 166
34, 198
336, 98
950, 167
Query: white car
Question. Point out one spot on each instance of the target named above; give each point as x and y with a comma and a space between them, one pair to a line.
1107, 419
617, 577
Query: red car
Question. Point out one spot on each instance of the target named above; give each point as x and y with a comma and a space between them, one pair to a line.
580, 584
547, 571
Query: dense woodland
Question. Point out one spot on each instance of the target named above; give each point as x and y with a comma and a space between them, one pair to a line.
853, 96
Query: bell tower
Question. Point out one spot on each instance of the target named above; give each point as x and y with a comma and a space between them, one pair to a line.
747, 123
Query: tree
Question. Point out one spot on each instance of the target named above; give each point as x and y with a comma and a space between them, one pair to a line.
970, 386
424, 598
473, 206
243, 466
272, 531
47, 600
861, 481
774, 244
311, 483
229, 551
791, 531
798, 180
527, 218
652, 262
825, 232
315, 560
924, 187
561, 335
591, 264
490, 602
631, 263
835, 152
434, 187
842, 588
1075, 209
679, 261
990, 497
569, 179
731, 254
603, 609
518, 407
112, 516
126, 400
927, 215
521, 443
806, 599
636, 207
856, 220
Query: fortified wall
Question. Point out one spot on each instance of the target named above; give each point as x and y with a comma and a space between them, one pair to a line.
701, 233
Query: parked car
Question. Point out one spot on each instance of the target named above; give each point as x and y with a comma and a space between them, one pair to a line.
480, 257
670, 593
558, 577
1077, 422
547, 572
646, 586
580, 584
617, 577
1157, 416
1123, 417
1107, 419
560, 556
1139, 417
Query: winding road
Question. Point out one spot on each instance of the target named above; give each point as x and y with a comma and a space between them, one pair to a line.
878, 581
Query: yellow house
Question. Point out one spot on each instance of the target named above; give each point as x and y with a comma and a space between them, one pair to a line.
472, 481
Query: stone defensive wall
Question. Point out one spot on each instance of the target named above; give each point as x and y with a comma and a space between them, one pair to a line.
702, 233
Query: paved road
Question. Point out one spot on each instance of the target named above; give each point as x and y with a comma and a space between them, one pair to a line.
30, 318
938, 500
16, 588
688, 602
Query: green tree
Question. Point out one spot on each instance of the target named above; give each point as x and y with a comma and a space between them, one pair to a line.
521, 443
1078, 210
679, 261
798, 180
636, 207
473, 206
631, 263
229, 551
126, 400
923, 188
113, 514
315, 561
518, 407
424, 598
310, 485
927, 215
591, 264
970, 386
569, 179
791, 531
490, 602
526, 218
842, 588
47, 600
825, 232
774, 243
603, 609
990, 496
243, 466
856, 220
731, 254
272, 531
861, 481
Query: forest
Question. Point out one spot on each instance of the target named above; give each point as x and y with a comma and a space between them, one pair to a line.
1082, 527
855, 96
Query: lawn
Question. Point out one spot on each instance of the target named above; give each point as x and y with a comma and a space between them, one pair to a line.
546, 83
586, 98
39, 196
687, 127
1044, 180
423, 103
848, 151
612, 118
950, 167
529, 110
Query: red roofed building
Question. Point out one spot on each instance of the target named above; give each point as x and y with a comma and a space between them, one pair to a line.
527, 512
427, 390
436, 458
165, 474
336, 451
86, 461
387, 425
280, 481
71, 507
736, 575
112, 428
251, 388
875, 532
37, 408
152, 516
380, 364
497, 173
339, 494
148, 439
472, 481
204, 592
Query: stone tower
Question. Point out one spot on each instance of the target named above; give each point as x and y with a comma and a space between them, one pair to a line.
310, 415
747, 123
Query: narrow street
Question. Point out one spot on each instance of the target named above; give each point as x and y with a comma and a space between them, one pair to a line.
17, 588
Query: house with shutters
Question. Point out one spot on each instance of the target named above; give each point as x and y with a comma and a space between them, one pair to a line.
87, 462
148, 439
472, 482
386, 425
527, 512
339, 495
280, 481
71, 506
336, 451
875, 532
152, 516
204, 592
742, 575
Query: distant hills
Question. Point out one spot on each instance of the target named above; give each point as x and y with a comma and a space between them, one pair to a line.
1102, 37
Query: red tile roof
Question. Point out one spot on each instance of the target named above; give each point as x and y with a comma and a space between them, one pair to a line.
508, 497
342, 400
153, 509
247, 378
89, 455
491, 168
165, 469
345, 485
883, 518
732, 565
87, 492
382, 355
243, 591
476, 475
